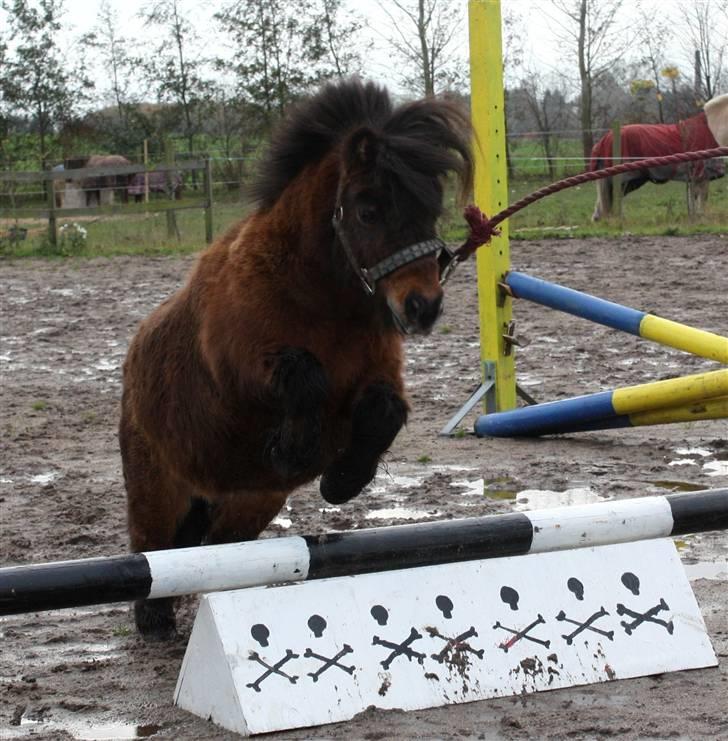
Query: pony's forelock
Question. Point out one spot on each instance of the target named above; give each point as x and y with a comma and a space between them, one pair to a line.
421, 142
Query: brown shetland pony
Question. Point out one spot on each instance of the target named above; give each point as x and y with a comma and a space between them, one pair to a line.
273, 365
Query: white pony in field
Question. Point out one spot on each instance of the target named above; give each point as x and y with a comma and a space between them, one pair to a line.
707, 130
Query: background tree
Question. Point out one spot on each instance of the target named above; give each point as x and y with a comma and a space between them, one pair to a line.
653, 34
118, 125
512, 45
45, 86
548, 111
337, 35
279, 51
5, 94
113, 51
707, 40
425, 38
176, 70
595, 39
672, 73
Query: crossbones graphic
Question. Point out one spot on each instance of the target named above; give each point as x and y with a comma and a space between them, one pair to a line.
275, 669
400, 649
518, 634
455, 643
586, 625
645, 617
329, 662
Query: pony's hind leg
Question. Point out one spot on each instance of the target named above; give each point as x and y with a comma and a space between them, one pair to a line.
243, 515
155, 618
377, 417
300, 387
161, 514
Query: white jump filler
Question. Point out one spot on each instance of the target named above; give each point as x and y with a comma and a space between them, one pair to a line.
262, 660
417, 615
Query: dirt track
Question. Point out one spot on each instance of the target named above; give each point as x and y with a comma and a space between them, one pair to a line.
64, 328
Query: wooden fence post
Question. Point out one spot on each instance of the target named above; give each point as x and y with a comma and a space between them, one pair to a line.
208, 200
51, 198
172, 230
146, 172
617, 179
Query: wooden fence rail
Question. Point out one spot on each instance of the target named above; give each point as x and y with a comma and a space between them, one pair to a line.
51, 211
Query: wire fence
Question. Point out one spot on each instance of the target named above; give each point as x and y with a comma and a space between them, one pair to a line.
534, 160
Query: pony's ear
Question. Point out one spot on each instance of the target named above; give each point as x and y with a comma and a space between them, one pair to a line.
362, 148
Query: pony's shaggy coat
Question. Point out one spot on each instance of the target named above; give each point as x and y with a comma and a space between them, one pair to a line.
272, 366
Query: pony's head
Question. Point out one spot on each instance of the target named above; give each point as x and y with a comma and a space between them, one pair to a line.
388, 170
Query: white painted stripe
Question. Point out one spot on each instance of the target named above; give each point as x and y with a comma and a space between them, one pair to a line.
231, 566
618, 521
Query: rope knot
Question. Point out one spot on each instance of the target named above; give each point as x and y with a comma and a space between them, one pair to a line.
482, 230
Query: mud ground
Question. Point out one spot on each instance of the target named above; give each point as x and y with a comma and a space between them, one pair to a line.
64, 329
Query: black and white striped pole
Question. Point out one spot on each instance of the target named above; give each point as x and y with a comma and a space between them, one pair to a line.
63, 584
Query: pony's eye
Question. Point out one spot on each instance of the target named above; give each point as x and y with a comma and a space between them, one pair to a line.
367, 215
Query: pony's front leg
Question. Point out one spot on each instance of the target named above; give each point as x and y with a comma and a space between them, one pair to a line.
378, 416
300, 388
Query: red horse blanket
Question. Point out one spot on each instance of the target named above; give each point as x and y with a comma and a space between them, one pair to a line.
656, 140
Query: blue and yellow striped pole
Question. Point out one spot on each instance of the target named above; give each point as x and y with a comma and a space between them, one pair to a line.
639, 323
668, 400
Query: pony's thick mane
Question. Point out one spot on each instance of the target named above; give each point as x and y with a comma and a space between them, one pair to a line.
422, 141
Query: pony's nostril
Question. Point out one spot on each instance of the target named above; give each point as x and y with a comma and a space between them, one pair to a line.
422, 311
413, 306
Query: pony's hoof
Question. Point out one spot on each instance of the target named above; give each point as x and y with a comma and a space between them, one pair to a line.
155, 619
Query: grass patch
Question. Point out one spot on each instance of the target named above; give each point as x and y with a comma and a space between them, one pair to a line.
40, 405
127, 233
424, 459
121, 631
652, 210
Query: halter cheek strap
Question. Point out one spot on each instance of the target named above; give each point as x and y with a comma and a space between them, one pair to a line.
408, 254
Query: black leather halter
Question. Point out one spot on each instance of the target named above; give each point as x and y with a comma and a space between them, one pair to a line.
402, 257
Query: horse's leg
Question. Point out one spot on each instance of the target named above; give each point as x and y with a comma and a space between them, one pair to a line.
243, 515
162, 514
603, 205
701, 194
378, 416
300, 387
597, 213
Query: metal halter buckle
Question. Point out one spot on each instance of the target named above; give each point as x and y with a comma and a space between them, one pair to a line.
369, 284
451, 261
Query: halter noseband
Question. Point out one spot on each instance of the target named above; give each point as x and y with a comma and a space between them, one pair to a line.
402, 257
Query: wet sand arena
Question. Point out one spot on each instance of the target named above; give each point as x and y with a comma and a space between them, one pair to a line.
64, 329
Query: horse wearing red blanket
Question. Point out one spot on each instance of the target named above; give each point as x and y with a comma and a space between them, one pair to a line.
707, 130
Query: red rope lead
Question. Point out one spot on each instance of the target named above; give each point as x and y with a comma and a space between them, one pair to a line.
482, 229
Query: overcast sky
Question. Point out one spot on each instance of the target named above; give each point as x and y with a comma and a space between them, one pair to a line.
538, 37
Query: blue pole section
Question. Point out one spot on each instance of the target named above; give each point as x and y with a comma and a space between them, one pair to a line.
574, 302
548, 418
